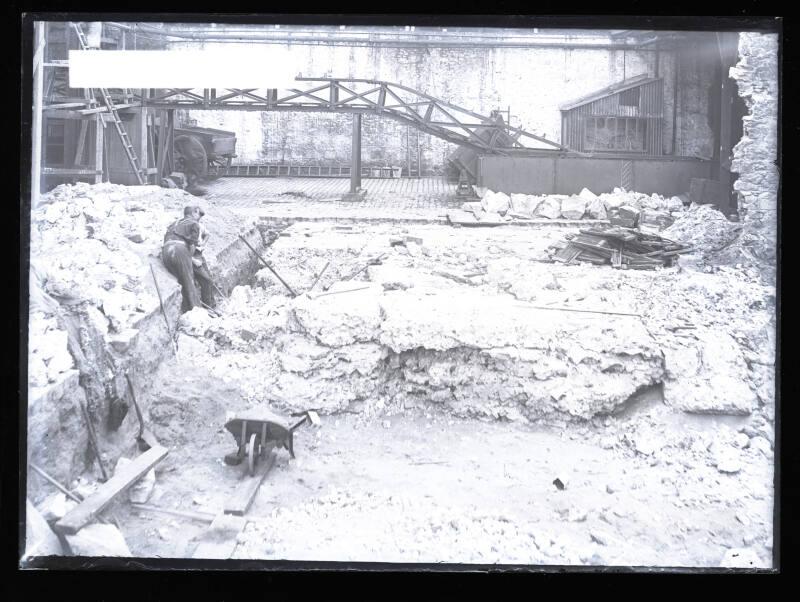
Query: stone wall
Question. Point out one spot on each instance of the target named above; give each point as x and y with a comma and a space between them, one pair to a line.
756, 154
532, 81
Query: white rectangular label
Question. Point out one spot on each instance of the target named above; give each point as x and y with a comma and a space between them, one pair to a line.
236, 67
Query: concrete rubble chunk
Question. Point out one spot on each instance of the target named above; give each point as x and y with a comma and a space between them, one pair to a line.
708, 375
550, 208
40, 540
573, 208
98, 540
496, 202
612, 201
55, 506
629, 211
596, 209
587, 195
196, 322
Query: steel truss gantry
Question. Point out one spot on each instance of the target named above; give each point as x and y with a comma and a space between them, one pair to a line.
364, 96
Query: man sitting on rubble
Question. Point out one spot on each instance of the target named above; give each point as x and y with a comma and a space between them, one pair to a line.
201, 271
179, 245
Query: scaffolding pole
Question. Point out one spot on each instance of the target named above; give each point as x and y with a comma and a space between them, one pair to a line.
38, 91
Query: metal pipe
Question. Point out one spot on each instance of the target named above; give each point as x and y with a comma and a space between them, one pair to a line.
368, 38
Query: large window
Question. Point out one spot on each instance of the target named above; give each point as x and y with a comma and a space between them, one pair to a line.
614, 134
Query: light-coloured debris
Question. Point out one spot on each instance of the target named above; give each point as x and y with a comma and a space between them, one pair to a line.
40, 540
573, 207
100, 540
703, 227
55, 506
707, 374
496, 202
549, 208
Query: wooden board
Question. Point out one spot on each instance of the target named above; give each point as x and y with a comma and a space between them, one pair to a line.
87, 510
238, 503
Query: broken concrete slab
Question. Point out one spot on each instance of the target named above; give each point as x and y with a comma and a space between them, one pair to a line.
98, 540
496, 202
550, 208
573, 208
707, 375
596, 209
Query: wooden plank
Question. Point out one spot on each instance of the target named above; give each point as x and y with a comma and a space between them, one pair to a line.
99, 135
86, 511
238, 503
59, 171
81, 143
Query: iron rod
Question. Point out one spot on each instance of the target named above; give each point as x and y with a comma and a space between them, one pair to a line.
269, 267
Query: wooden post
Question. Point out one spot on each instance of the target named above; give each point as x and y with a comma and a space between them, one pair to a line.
408, 150
419, 157
162, 143
355, 162
143, 143
81, 142
98, 147
36, 135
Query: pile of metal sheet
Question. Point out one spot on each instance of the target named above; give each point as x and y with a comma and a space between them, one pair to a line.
620, 247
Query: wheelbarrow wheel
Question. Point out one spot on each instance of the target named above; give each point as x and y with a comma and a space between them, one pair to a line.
251, 455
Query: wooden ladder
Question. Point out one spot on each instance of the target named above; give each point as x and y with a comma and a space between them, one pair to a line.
123, 135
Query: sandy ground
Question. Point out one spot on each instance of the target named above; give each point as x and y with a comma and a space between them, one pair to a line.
428, 487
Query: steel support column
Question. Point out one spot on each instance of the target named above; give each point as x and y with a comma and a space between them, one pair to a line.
355, 161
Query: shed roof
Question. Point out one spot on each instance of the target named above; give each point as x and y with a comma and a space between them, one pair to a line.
627, 84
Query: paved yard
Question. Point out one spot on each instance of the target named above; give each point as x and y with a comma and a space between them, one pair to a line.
320, 198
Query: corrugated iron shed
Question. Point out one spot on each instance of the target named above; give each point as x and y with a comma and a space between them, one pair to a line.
624, 117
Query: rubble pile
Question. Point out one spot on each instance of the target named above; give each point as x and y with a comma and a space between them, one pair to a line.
48, 357
91, 244
498, 207
704, 228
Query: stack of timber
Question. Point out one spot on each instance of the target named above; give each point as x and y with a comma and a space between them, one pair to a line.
620, 247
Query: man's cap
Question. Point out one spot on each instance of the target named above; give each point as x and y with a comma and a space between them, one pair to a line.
187, 211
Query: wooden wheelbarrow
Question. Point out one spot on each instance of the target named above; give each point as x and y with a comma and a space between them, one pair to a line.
257, 431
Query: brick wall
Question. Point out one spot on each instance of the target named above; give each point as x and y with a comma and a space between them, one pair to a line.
532, 81
756, 154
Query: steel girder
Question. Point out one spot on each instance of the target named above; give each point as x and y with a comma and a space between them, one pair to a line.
405, 105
